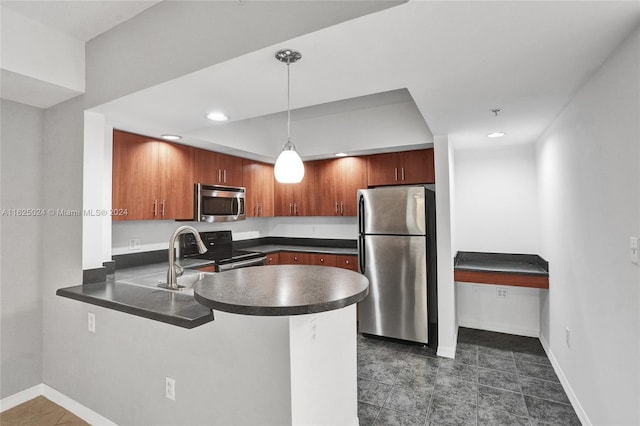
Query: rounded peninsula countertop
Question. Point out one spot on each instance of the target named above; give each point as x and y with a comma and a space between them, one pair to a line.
279, 290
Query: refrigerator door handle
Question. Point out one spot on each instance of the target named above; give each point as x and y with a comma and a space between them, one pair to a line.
361, 251
361, 214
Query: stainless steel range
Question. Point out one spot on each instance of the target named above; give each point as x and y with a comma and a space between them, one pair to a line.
220, 251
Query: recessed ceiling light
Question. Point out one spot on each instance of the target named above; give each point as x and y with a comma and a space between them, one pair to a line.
495, 135
217, 116
341, 154
171, 137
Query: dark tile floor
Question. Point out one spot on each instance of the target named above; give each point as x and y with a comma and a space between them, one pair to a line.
495, 379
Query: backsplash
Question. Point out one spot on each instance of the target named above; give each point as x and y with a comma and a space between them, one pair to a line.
154, 235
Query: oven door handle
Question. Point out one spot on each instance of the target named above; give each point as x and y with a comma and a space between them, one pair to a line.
243, 264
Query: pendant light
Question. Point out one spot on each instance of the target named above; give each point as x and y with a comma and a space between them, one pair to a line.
288, 167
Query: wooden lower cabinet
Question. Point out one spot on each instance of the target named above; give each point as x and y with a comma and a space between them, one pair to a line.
301, 258
293, 258
207, 269
322, 259
347, 262
273, 259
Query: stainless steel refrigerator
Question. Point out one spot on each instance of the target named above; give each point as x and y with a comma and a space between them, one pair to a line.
397, 253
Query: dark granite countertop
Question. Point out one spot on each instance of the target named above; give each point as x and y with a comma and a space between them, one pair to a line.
280, 290
171, 307
522, 264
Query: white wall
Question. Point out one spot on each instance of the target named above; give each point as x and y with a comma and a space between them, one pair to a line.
497, 212
445, 190
21, 155
589, 186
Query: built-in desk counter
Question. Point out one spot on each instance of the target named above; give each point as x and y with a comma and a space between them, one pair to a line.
521, 270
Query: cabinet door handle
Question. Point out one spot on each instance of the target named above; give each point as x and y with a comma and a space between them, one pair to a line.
295, 258
162, 208
155, 208
290, 209
295, 209
347, 262
337, 213
321, 260
259, 209
224, 176
395, 171
403, 173
342, 208
219, 175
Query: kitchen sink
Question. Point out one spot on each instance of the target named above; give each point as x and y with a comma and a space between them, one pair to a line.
185, 282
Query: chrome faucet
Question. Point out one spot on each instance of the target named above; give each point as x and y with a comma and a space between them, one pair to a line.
175, 270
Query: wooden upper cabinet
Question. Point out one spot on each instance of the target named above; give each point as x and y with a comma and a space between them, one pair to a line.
151, 178
401, 168
176, 181
296, 199
213, 168
337, 183
258, 179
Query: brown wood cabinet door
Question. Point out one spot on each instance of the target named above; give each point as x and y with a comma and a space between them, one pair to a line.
207, 269
230, 170
328, 183
353, 176
134, 183
293, 258
175, 175
304, 198
282, 198
273, 259
296, 199
416, 166
382, 169
258, 180
322, 259
348, 262
205, 167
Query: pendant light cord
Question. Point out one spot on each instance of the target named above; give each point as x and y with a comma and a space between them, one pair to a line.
288, 104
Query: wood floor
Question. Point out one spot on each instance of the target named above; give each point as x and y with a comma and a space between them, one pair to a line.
39, 412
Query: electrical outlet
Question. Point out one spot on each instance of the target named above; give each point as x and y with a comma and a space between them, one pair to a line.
501, 293
633, 249
91, 322
567, 336
170, 388
134, 244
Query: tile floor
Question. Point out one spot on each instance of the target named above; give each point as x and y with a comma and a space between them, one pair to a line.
495, 379
39, 412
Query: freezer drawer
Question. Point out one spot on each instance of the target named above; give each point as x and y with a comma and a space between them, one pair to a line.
396, 267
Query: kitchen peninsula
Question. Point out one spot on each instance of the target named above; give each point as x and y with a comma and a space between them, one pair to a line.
306, 312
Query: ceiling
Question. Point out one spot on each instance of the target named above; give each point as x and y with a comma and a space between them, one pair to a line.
450, 63
81, 19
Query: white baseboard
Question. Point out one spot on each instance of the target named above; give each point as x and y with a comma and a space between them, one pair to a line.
582, 415
20, 397
86, 414
499, 328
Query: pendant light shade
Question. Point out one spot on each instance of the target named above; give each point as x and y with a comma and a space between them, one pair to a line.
289, 167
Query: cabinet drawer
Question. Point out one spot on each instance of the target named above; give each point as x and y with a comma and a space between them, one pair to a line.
323, 259
293, 258
273, 259
348, 262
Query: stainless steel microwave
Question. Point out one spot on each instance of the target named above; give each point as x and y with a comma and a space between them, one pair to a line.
215, 203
